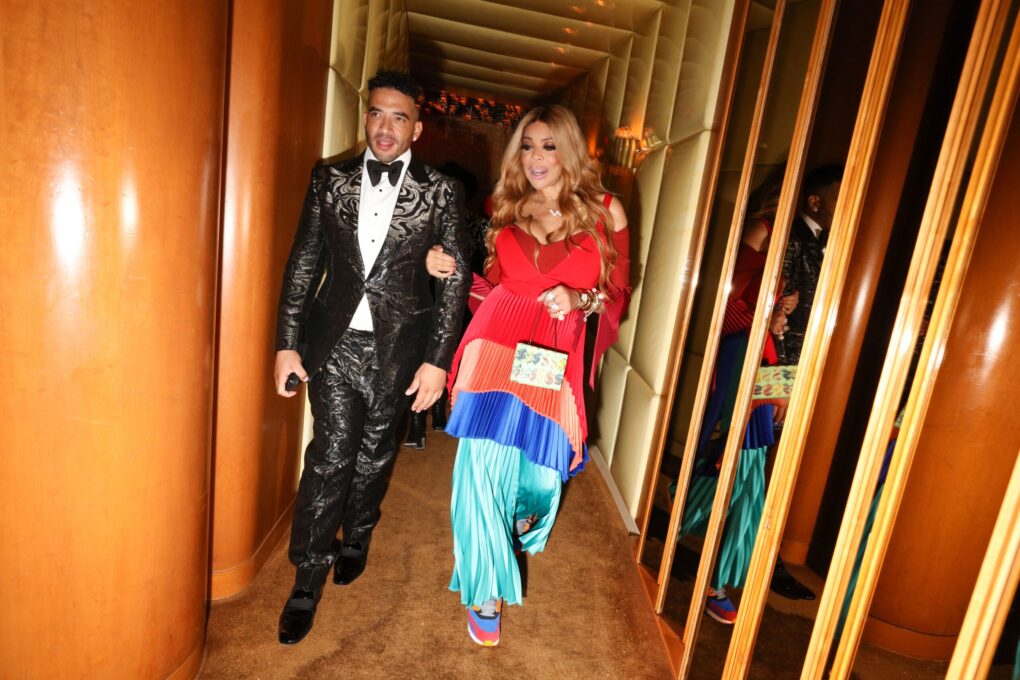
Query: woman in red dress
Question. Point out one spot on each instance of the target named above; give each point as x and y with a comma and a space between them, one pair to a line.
557, 253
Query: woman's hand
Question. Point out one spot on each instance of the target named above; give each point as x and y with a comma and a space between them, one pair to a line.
560, 300
439, 264
779, 411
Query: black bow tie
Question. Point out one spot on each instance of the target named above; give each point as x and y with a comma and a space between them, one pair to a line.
376, 170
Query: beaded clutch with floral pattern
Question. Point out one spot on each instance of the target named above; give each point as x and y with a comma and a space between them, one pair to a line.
774, 382
538, 367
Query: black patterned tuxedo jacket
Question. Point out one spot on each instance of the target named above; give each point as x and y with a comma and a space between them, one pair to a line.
802, 265
325, 276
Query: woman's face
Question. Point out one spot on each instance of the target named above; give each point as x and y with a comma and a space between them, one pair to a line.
539, 157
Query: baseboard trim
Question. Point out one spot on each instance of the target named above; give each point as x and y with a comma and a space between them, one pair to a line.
614, 491
225, 583
191, 666
794, 552
913, 643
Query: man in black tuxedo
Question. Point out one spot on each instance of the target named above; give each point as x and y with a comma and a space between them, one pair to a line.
802, 263
805, 249
359, 303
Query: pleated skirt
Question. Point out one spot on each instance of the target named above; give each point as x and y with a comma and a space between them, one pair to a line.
495, 485
747, 500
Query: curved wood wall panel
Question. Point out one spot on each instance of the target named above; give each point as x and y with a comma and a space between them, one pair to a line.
278, 70
112, 139
909, 103
968, 444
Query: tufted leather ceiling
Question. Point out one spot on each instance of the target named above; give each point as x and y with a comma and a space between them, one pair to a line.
518, 51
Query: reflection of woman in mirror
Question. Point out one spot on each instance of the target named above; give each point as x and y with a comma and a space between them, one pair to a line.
749, 484
557, 254
802, 262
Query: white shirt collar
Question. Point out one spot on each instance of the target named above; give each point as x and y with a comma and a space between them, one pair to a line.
815, 228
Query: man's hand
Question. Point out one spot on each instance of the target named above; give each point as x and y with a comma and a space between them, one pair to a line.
439, 264
287, 361
428, 382
788, 303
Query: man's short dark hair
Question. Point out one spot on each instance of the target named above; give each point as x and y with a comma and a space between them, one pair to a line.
396, 80
821, 177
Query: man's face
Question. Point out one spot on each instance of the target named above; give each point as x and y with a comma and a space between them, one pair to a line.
391, 123
822, 206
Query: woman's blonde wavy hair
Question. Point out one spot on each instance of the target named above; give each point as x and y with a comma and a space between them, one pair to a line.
580, 199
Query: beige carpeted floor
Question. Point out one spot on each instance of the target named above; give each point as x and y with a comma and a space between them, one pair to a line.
585, 614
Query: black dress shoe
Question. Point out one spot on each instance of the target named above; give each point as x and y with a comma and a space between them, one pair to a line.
349, 564
297, 617
783, 583
439, 413
416, 431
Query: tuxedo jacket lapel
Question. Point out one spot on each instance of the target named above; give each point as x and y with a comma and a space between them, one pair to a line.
346, 192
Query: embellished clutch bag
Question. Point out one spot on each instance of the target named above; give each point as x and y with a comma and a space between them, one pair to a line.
538, 367
774, 382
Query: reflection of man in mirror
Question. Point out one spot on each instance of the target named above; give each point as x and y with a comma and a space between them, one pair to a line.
804, 251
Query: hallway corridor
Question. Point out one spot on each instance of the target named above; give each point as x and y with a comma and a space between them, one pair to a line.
585, 615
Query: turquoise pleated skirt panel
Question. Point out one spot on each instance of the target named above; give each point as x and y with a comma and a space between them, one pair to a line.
493, 487
747, 501
861, 548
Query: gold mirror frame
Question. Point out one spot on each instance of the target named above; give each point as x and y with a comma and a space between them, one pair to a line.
963, 122
1001, 570
715, 327
981, 71
816, 342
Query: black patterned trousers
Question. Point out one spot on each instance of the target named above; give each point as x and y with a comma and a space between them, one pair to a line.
357, 408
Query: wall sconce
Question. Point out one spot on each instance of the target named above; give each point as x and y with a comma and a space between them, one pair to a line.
628, 150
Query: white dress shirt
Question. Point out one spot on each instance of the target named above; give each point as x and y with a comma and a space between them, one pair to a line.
375, 212
815, 228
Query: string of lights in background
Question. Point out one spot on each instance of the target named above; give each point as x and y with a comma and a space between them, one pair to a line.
470, 108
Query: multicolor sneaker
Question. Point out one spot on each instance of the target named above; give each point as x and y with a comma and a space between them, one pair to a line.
483, 624
720, 608
521, 527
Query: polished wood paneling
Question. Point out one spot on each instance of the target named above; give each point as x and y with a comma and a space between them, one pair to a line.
969, 441
848, 382
278, 72
112, 119
966, 120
